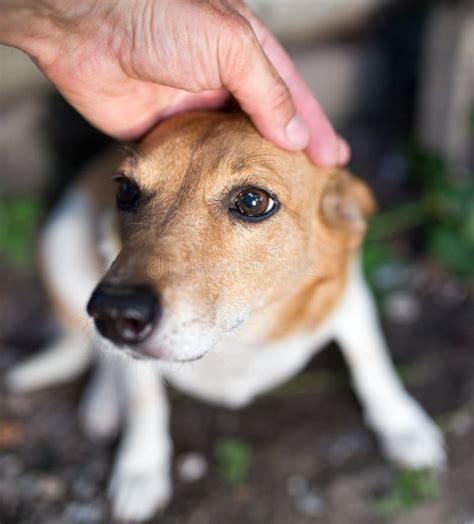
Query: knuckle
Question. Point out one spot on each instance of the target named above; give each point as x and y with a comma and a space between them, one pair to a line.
236, 28
280, 99
238, 45
244, 32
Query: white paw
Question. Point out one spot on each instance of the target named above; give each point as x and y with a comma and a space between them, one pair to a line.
62, 361
29, 376
19, 380
412, 439
138, 495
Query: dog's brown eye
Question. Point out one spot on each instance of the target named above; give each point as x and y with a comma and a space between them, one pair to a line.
254, 204
127, 194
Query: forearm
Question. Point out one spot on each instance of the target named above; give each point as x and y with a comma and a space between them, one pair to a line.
34, 25
20, 22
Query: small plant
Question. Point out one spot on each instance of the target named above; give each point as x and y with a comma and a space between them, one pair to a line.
409, 488
444, 213
233, 458
19, 218
448, 206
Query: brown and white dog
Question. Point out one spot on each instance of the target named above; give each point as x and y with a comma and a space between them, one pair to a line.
228, 253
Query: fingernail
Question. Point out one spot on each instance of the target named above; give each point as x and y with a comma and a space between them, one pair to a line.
297, 133
344, 151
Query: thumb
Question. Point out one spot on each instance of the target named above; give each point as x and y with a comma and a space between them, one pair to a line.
250, 77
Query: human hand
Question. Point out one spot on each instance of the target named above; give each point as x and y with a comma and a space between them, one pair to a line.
126, 64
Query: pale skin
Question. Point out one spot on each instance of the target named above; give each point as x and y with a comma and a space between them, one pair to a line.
126, 64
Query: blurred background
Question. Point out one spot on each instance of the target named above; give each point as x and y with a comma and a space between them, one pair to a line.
397, 79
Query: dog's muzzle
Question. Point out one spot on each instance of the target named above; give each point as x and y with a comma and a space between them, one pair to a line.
124, 314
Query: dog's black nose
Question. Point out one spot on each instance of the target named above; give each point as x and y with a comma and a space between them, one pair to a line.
125, 315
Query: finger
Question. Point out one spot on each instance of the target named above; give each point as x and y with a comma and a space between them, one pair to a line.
186, 101
249, 76
324, 147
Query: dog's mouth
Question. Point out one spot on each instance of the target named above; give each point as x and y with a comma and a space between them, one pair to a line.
187, 360
155, 355
136, 355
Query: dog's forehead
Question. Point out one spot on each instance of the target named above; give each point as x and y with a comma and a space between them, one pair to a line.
214, 148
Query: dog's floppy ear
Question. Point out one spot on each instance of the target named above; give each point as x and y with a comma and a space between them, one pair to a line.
346, 204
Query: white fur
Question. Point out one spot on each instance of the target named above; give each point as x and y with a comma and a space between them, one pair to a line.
183, 334
68, 251
234, 373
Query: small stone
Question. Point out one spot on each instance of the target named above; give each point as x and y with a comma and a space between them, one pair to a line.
83, 488
390, 276
402, 308
451, 294
461, 423
296, 486
192, 467
50, 487
310, 504
11, 434
341, 448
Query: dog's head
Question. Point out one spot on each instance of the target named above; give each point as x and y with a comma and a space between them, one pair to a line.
223, 232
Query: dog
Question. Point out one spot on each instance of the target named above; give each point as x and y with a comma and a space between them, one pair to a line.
228, 265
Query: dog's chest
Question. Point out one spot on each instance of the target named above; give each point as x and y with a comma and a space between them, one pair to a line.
232, 374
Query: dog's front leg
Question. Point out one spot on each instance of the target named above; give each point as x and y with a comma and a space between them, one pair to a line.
100, 409
141, 480
406, 433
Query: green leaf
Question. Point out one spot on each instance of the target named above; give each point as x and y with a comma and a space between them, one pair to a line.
397, 220
469, 228
426, 167
448, 247
375, 255
452, 203
19, 218
233, 458
470, 120
409, 488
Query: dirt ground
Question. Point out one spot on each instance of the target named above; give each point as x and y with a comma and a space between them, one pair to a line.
311, 458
